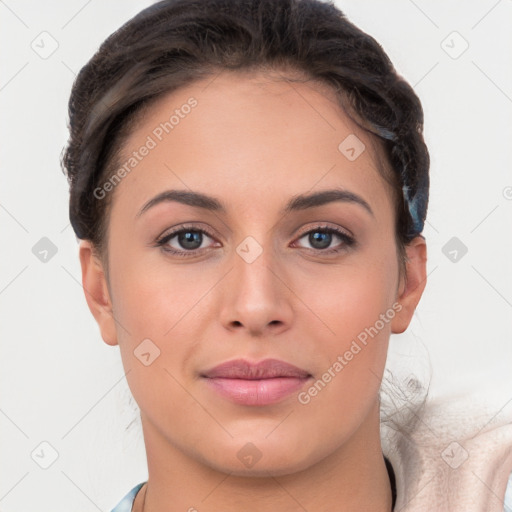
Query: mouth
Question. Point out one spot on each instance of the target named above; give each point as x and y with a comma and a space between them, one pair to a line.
263, 383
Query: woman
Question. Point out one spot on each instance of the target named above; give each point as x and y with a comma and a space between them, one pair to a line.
249, 182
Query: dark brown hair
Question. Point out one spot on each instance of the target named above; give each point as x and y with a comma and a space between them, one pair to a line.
175, 42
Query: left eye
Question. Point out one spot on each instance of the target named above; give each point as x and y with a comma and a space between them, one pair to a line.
321, 238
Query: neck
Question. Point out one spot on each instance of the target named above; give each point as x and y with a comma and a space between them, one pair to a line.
352, 477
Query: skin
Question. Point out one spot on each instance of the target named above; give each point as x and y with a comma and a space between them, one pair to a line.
254, 142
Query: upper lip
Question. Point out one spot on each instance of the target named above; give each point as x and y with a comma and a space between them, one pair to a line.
266, 369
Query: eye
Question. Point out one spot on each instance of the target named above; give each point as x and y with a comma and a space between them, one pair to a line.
321, 238
184, 241
191, 241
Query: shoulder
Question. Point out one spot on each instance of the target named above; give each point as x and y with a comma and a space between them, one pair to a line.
458, 456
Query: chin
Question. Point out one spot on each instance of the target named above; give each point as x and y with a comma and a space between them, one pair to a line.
262, 469
253, 458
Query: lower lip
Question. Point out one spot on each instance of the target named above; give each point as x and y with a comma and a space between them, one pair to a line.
256, 392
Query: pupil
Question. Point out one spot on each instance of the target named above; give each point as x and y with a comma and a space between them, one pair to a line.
190, 239
324, 239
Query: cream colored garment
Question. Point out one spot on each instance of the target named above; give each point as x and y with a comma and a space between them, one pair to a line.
458, 458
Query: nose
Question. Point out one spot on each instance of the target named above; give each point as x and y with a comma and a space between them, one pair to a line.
256, 297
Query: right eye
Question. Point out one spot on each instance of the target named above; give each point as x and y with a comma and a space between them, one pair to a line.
184, 242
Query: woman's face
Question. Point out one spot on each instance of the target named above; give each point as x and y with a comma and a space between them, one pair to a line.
265, 170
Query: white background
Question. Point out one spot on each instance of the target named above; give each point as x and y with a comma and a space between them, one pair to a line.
61, 384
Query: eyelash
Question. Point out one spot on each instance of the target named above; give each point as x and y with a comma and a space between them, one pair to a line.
347, 240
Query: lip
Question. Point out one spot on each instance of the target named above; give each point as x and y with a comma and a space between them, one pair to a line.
262, 383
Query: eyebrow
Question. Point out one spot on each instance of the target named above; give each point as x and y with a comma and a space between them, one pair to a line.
297, 203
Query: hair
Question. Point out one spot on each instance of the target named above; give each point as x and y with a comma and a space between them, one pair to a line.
174, 43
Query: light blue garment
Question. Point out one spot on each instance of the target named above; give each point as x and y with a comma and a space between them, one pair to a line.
125, 505
508, 496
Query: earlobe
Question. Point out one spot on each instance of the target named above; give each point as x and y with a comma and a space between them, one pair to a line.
411, 289
96, 291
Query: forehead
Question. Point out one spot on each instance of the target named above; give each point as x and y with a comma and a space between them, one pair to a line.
254, 133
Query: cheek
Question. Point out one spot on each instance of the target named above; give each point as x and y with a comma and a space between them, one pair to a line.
351, 297
162, 314
159, 314
152, 296
354, 313
356, 352
359, 312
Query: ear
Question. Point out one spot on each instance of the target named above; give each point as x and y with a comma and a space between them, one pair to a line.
96, 291
412, 284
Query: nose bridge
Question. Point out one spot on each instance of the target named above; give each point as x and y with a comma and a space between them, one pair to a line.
253, 266
255, 298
